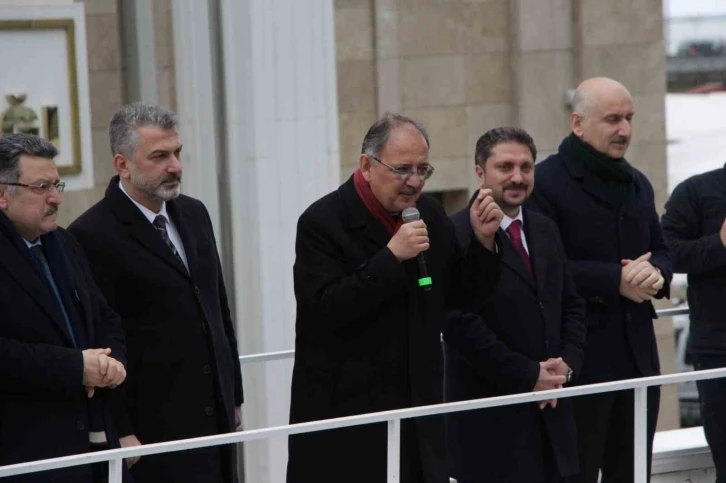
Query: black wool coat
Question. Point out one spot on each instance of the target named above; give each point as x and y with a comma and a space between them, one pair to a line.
536, 318
369, 339
44, 410
692, 224
184, 373
598, 232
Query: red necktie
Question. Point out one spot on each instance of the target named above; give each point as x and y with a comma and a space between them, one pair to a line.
514, 230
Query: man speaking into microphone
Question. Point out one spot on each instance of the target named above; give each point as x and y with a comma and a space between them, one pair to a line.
369, 316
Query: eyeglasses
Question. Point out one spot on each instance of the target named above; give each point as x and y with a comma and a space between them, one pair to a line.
42, 188
423, 171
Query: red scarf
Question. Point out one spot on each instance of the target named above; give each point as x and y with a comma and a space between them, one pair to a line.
374, 206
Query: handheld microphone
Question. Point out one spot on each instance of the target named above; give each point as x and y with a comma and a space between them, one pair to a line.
424, 281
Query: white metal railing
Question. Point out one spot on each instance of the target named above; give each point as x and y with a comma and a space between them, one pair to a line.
115, 457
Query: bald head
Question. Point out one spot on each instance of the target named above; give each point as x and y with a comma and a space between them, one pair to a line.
602, 114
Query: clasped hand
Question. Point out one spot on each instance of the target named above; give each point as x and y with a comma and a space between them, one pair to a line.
101, 370
639, 280
552, 375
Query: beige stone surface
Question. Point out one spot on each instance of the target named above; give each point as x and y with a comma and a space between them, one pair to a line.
356, 86
544, 24
430, 30
353, 128
447, 130
163, 33
103, 168
543, 79
99, 7
166, 86
386, 30
621, 21
389, 85
354, 33
648, 125
480, 119
432, 81
102, 35
487, 78
485, 27
640, 67
451, 174
106, 94
340, 4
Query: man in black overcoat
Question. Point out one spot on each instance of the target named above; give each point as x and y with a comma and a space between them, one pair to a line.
154, 255
604, 210
694, 225
537, 313
368, 329
62, 348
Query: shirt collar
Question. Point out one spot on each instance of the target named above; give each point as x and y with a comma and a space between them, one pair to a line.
150, 215
506, 221
37, 242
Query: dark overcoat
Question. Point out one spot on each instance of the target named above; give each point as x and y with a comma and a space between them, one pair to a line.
536, 318
598, 232
44, 410
184, 374
369, 339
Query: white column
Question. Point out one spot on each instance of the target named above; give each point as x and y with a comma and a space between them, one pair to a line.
196, 93
282, 140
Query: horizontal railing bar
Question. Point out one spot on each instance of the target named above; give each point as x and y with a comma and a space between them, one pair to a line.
289, 354
357, 420
268, 356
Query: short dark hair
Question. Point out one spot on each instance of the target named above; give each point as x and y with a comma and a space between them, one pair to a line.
377, 136
12, 146
491, 138
125, 123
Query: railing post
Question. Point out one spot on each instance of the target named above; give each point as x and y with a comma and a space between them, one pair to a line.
114, 470
394, 450
640, 436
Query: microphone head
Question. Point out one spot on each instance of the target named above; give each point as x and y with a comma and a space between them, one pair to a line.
410, 214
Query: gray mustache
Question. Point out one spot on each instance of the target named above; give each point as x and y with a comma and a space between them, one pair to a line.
409, 190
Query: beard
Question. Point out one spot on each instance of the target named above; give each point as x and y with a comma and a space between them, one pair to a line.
155, 187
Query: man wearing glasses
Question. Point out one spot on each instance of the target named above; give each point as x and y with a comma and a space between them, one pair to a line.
369, 319
61, 347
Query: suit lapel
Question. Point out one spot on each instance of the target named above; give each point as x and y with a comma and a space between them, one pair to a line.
19, 266
189, 242
512, 259
537, 251
139, 227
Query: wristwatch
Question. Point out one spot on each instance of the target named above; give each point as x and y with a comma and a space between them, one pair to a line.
570, 372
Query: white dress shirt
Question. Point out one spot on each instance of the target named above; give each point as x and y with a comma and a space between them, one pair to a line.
506, 221
170, 228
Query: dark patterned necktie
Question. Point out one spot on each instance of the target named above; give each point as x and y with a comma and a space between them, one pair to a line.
514, 230
160, 225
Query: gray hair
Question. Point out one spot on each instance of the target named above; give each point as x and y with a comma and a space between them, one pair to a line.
491, 138
378, 134
582, 102
12, 146
124, 125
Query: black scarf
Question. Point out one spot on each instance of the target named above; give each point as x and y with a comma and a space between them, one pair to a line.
617, 173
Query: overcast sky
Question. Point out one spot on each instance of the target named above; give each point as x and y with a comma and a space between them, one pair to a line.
687, 8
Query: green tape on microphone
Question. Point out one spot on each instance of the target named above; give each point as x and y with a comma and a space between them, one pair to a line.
424, 282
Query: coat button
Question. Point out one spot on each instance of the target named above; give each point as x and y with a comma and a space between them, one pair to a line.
196, 290
80, 425
628, 317
541, 306
209, 411
207, 368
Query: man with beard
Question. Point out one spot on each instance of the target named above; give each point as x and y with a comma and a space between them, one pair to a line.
154, 255
60, 343
536, 313
606, 216
368, 328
